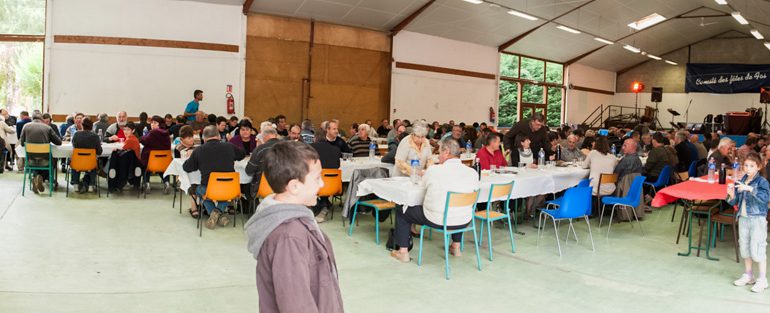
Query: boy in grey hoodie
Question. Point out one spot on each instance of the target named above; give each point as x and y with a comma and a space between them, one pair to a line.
296, 269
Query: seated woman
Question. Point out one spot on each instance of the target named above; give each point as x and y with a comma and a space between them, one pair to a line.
244, 140
156, 139
588, 145
414, 146
600, 161
490, 153
523, 153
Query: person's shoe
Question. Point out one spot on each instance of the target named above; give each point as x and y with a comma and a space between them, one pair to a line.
166, 188
745, 279
455, 251
223, 220
321, 217
36, 182
147, 188
760, 285
401, 257
82, 188
40, 183
211, 223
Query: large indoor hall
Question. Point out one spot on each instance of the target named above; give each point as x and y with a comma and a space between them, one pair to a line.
331, 156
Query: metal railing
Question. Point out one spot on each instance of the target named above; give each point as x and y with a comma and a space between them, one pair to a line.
601, 113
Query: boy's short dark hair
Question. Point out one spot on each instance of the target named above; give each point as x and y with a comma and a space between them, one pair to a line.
287, 160
186, 131
88, 124
180, 119
221, 119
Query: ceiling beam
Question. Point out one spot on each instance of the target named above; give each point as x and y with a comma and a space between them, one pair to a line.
403, 24
668, 52
247, 6
525, 34
578, 58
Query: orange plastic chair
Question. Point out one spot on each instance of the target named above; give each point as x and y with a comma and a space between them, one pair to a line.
222, 187
157, 163
332, 178
264, 188
83, 160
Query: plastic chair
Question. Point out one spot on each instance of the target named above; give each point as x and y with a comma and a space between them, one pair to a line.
604, 178
377, 206
692, 171
498, 192
456, 201
157, 164
631, 200
264, 188
729, 219
36, 150
663, 179
558, 201
222, 187
84, 161
332, 188
577, 204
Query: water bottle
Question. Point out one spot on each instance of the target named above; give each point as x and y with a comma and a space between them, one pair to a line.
541, 157
468, 148
613, 151
372, 148
558, 152
415, 167
736, 168
712, 169
722, 174
146, 131
477, 167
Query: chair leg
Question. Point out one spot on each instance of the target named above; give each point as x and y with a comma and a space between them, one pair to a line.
539, 227
676, 203
200, 221
353, 222
419, 254
446, 255
612, 215
601, 215
235, 214
590, 235
481, 241
24, 183
572, 227
67, 178
489, 236
376, 226
556, 231
637, 220
476, 244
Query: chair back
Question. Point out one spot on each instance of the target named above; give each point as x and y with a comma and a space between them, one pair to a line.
332, 182
683, 176
159, 160
664, 177
264, 188
223, 186
458, 200
577, 202
83, 160
634, 195
608, 178
692, 171
585, 182
37, 151
500, 192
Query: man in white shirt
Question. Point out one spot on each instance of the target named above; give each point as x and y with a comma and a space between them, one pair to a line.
449, 175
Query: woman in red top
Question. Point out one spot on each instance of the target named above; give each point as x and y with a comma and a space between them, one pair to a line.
490, 154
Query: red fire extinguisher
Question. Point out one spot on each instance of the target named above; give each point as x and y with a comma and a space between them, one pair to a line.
230, 103
492, 115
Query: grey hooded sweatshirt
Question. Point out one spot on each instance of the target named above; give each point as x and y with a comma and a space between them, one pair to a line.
296, 269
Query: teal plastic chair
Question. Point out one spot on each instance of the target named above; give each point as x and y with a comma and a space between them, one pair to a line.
576, 204
498, 192
377, 206
458, 201
36, 150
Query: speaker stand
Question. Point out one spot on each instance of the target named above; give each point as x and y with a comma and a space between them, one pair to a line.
656, 122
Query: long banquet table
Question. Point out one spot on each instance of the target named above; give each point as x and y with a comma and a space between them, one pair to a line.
64, 151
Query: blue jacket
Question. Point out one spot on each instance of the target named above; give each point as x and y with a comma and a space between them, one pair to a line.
756, 200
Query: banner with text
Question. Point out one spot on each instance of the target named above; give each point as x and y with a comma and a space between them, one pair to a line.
726, 78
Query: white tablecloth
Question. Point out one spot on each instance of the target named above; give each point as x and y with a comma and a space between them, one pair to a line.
65, 150
187, 179
348, 167
530, 182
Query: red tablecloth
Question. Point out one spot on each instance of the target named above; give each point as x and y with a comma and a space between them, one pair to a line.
690, 190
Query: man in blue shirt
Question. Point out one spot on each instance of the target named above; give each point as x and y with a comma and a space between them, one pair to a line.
192, 107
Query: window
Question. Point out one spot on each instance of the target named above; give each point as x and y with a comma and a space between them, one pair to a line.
541, 85
22, 23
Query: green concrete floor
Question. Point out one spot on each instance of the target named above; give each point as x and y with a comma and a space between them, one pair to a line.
123, 254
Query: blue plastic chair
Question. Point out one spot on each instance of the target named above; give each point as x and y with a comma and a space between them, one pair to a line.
498, 192
692, 171
37, 150
663, 179
631, 200
457, 201
377, 206
558, 201
577, 204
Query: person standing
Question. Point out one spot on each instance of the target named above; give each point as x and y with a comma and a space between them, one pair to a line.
534, 129
193, 106
296, 267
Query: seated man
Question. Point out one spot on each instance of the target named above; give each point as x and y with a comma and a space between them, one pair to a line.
86, 139
686, 152
449, 175
255, 168
78, 126
330, 156
702, 151
571, 152
360, 144
296, 268
657, 159
115, 133
213, 156
490, 153
38, 132
630, 163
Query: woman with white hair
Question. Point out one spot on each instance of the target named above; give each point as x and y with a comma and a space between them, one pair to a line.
414, 146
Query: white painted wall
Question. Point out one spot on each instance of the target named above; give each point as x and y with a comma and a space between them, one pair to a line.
437, 96
702, 104
104, 78
578, 104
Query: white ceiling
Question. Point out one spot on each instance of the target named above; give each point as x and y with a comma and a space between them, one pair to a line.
492, 26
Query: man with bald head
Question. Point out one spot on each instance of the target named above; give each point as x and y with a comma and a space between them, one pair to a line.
702, 152
114, 133
630, 163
